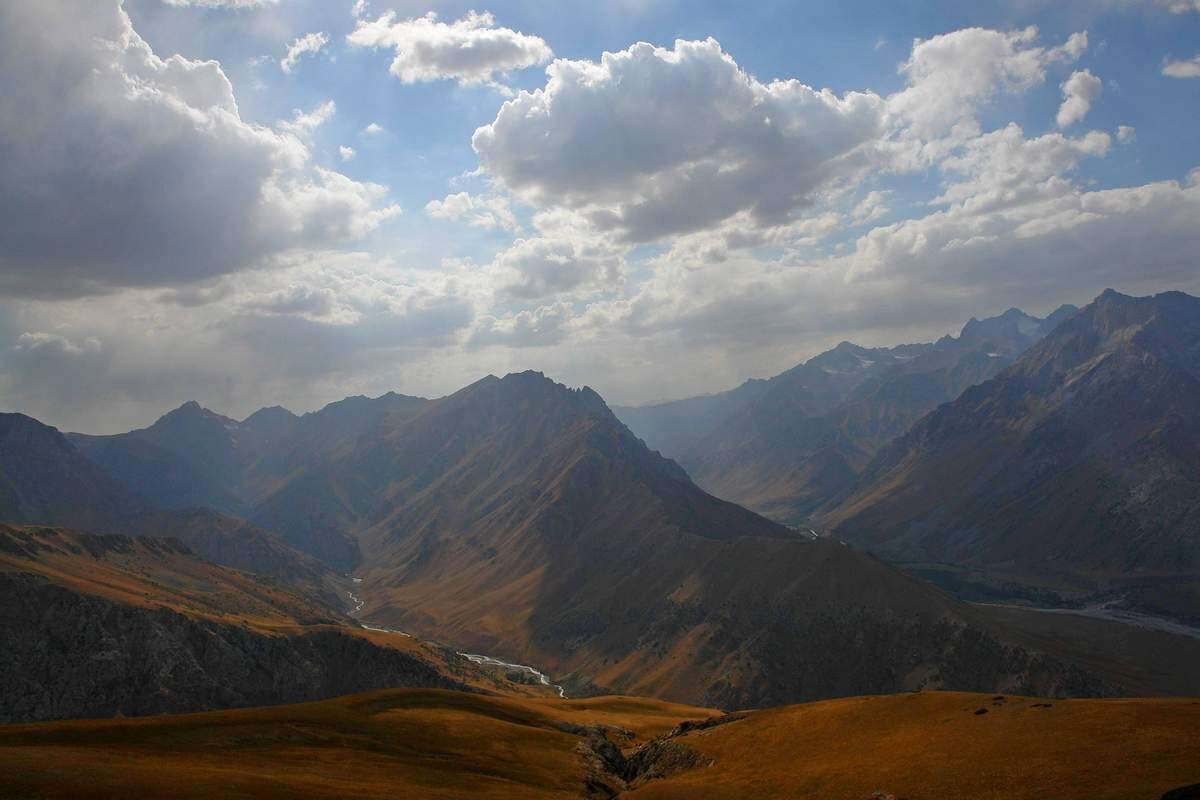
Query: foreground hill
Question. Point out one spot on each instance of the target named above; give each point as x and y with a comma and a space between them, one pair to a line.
435, 744
103, 625
45, 480
946, 746
786, 445
1078, 467
520, 518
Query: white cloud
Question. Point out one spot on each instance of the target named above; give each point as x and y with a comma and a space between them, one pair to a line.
303, 123
309, 43
719, 142
1126, 134
543, 326
320, 326
166, 184
41, 342
347, 153
1188, 68
471, 50
1003, 169
358, 9
1079, 92
372, 129
951, 75
540, 267
479, 211
872, 207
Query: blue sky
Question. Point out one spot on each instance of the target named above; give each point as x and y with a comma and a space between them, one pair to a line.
190, 213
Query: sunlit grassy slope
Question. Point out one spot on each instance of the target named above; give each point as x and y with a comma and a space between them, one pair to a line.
937, 746
440, 744
389, 744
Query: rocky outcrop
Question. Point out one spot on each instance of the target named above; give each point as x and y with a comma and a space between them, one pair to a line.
69, 655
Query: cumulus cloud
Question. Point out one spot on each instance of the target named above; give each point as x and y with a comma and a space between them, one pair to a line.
121, 168
346, 153
41, 343
1126, 134
1188, 68
303, 123
1003, 168
540, 268
543, 326
321, 326
777, 219
475, 210
718, 143
1079, 92
470, 50
951, 75
308, 44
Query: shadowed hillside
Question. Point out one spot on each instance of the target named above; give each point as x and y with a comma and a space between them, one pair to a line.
786, 445
521, 518
101, 625
1078, 467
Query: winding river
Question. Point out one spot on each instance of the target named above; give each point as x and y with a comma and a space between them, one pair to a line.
474, 658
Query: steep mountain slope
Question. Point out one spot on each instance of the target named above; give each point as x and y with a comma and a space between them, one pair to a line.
102, 625
520, 518
45, 480
784, 446
1082, 459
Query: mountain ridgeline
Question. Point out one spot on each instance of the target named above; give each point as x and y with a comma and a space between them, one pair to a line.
787, 445
521, 518
1078, 466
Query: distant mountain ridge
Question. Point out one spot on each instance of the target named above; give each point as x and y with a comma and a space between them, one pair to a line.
786, 445
521, 518
1081, 462
195, 457
45, 480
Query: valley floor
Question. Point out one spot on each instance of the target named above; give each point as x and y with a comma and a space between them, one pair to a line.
441, 744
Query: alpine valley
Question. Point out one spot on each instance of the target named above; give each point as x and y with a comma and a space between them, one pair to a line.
207, 563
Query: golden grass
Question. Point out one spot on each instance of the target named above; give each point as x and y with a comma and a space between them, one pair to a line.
424, 743
389, 744
933, 746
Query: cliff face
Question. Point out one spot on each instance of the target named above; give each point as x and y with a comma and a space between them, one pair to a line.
70, 655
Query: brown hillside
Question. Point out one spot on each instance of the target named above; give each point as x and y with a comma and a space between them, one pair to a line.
443, 745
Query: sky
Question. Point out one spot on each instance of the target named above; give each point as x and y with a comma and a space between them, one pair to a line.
260, 202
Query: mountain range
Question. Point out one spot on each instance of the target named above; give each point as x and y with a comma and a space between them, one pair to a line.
788, 444
522, 519
1077, 467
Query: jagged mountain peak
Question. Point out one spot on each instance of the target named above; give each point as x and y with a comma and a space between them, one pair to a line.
532, 386
192, 412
